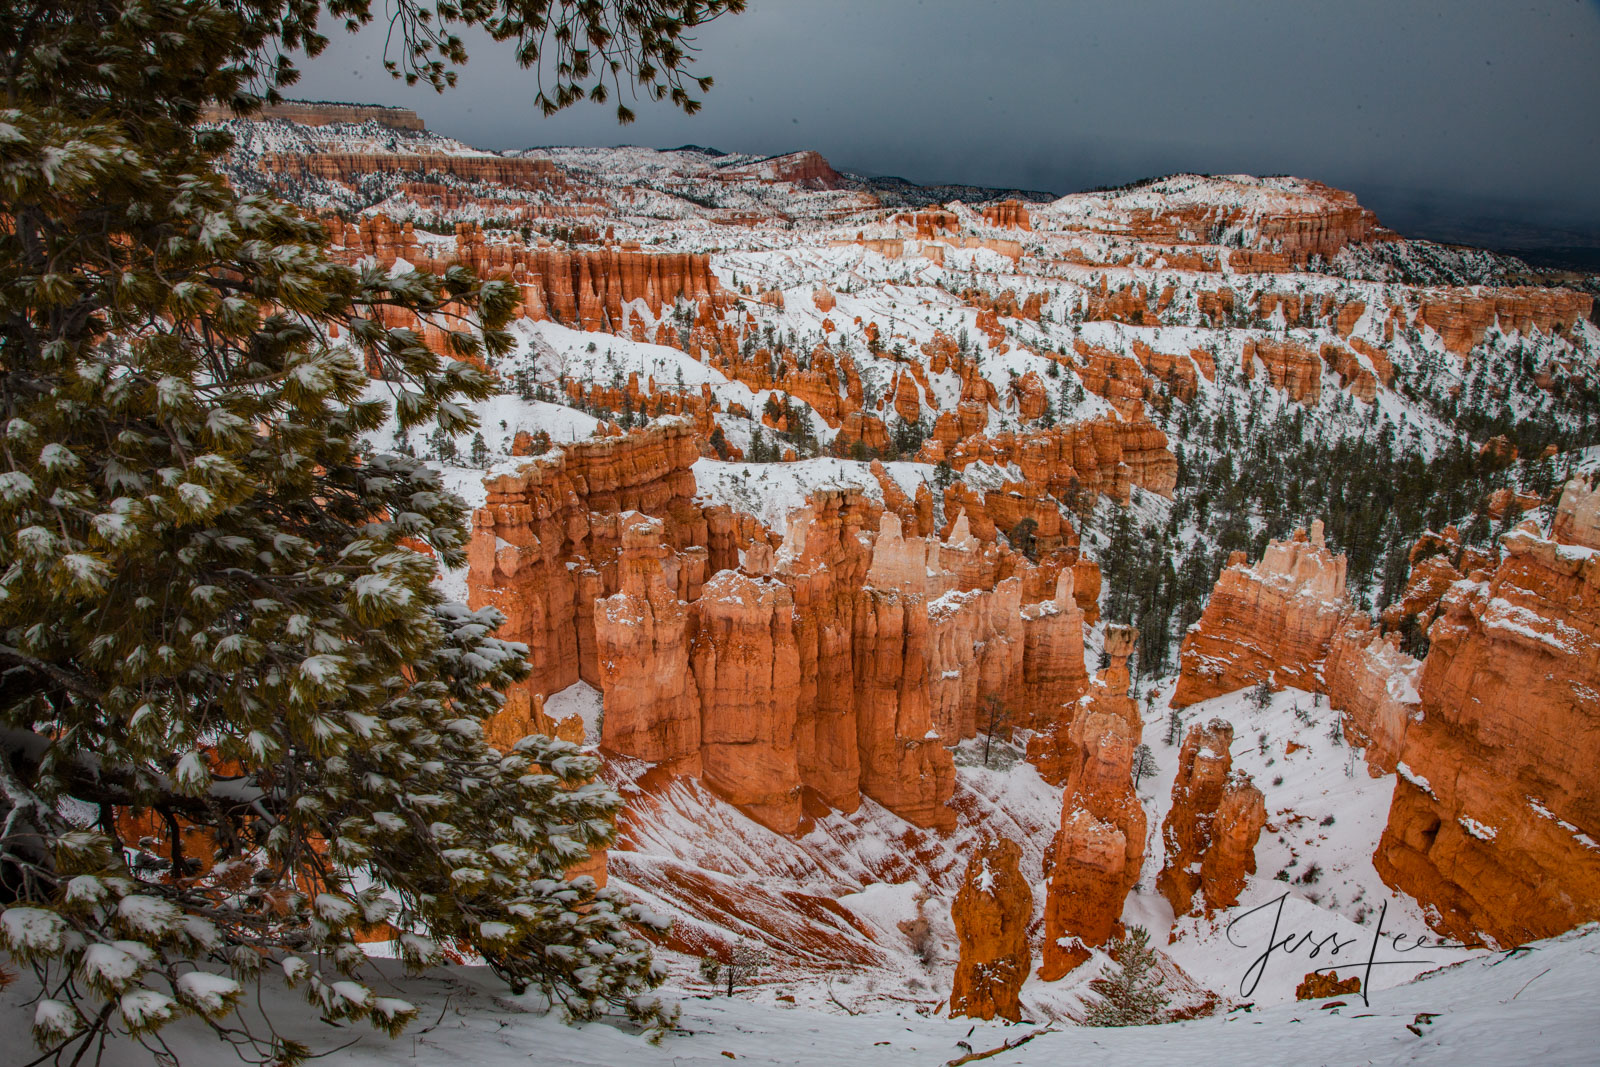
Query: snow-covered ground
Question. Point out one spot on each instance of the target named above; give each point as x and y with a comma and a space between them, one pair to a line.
1325, 814
1531, 1005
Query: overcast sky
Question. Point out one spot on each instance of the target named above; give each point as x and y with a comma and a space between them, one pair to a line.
1486, 106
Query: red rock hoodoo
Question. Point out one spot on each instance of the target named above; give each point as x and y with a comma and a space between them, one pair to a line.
1211, 832
1295, 370
1011, 214
1100, 843
991, 913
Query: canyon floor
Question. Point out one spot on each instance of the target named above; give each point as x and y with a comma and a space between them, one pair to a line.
1530, 1005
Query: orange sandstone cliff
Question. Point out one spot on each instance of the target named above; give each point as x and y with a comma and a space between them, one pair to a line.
1495, 822
1272, 621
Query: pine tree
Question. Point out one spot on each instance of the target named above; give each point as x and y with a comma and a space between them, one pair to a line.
1130, 994
208, 607
1023, 539
1069, 396
1144, 762
1261, 694
1174, 726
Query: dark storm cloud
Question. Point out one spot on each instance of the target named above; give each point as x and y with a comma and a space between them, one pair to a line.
1461, 106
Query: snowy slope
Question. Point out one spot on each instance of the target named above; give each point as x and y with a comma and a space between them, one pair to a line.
1533, 1005
1324, 811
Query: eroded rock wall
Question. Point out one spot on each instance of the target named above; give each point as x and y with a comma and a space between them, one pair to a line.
1495, 816
1373, 684
843, 663
1269, 622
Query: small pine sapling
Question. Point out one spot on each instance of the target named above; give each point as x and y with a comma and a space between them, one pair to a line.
1132, 994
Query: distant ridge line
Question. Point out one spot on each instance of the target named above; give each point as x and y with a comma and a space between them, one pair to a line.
326, 113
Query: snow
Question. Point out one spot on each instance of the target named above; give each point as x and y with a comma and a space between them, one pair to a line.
208, 993
142, 1008
770, 491
32, 930
1530, 1005
54, 1020
985, 879
1325, 814
885, 906
1577, 835
1414, 778
112, 965
580, 699
1506, 617
148, 916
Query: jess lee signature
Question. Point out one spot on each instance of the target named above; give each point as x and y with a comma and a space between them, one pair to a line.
1329, 945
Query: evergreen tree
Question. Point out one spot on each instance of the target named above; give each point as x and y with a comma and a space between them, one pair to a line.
1144, 762
1023, 539
1069, 396
444, 445
802, 430
1174, 726
1131, 994
208, 609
